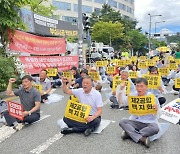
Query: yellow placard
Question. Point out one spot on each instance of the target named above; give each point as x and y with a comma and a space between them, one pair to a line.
52, 71
118, 82
128, 62
38, 87
141, 105
94, 75
116, 77
177, 82
177, 61
173, 66
105, 63
164, 71
68, 74
156, 58
154, 81
142, 57
121, 63
133, 74
77, 111
170, 58
111, 70
142, 65
74, 98
134, 58
99, 64
150, 62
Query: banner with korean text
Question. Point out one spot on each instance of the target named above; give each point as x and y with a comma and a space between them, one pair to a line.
171, 111
15, 110
77, 111
38, 45
141, 105
34, 64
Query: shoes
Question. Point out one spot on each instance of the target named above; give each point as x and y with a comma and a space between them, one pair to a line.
126, 108
146, 141
87, 132
115, 106
18, 126
124, 135
67, 130
176, 93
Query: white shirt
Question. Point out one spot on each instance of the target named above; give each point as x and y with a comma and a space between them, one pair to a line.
94, 98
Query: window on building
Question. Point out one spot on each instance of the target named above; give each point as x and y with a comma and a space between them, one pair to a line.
85, 9
130, 10
122, 6
62, 5
100, 1
70, 19
112, 3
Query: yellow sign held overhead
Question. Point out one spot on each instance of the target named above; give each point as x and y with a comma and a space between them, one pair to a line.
121, 63
38, 87
142, 57
99, 64
52, 71
150, 62
141, 105
77, 111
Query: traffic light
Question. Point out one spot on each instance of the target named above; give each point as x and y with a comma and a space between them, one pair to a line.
156, 35
85, 20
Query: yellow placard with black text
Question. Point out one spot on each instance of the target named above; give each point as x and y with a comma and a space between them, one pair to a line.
141, 105
177, 82
154, 81
99, 64
94, 75
133, 74
77, 111
163, 71
68, 74
38, 87
121, 63
52, 71
173, 66
150, 62
118, 82
142, 65
111, 70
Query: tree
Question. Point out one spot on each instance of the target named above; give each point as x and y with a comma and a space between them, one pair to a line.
107, 31
37, 6
10, 19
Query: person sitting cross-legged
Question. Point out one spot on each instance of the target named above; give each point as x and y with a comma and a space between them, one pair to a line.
86, 95
140, 128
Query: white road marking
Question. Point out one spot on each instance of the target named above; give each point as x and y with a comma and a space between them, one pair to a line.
107, 101
46, 144
6, 132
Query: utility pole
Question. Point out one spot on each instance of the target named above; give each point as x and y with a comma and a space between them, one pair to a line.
80, 34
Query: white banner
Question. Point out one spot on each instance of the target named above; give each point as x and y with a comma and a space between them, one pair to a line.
171, 111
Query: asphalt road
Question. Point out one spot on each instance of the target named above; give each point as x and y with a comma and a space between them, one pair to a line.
44, 136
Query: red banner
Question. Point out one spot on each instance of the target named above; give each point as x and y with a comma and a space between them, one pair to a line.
33, 44
15, 110
34, 64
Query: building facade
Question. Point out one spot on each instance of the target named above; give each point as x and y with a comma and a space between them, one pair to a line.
67, 10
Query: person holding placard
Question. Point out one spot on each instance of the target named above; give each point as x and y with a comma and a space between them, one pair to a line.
158, 92
45, 83
89, 96
30, 99
120, 95
143, 123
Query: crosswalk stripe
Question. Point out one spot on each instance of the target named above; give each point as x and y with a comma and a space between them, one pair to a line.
46, 144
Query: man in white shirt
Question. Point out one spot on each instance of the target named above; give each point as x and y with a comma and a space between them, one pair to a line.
140, 128
86, 95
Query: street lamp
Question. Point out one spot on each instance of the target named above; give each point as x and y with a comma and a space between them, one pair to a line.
150, 16
156, 24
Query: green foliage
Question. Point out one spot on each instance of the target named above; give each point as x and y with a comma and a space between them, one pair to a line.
173, 39
9, 19
72, 39
106, 31
38, 7
7, 69
156, 43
